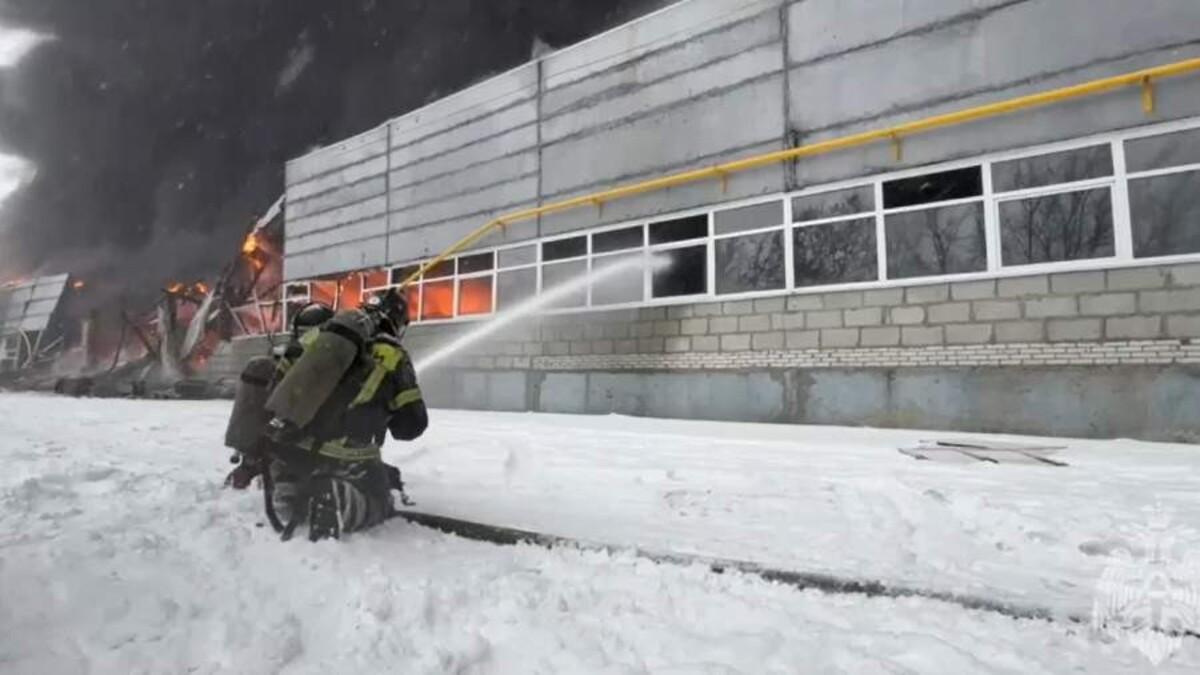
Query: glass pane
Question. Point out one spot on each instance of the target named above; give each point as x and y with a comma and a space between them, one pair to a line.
564, 248
297, 291
1160, 152
1166, 214
752, 217
1057, 167
623, 286
948, 240
617, 240
441, 270
750, 263
557, 275
837, 203
475, 296
475, 263
513, 287
835, 253
1069, 226
513, 257
401, 273
375, 279
933, 187
681, 229
686, 275
437, 300
413, 294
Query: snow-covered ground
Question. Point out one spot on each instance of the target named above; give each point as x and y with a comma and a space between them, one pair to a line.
120, 553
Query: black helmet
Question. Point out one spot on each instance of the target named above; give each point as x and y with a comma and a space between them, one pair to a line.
392, 308
310, 316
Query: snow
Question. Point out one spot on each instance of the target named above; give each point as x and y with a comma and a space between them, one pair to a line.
120, 553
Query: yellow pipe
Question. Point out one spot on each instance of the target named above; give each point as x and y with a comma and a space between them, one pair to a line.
1141, 78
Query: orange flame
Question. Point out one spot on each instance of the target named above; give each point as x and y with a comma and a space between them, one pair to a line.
201, 288
78, 285
176, 287
251, 244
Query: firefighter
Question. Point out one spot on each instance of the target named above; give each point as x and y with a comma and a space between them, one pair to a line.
247, 429
353, 385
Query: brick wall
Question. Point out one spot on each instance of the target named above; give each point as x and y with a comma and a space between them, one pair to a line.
1145, 315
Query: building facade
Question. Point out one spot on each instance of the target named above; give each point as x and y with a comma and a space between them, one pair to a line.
1033, 272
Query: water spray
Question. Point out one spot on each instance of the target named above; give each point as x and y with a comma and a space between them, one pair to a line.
537, 303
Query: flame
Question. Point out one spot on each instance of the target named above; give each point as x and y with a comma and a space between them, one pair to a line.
251, 245
176, 287
78, 285
200, 287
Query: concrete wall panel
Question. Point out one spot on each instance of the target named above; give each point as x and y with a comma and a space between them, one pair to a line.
348, 256
346, 215
340, 197
470, 179
406, 172
489, 96
373, 227
730, 72
722, 43
990, 52
674, 24
486, 200
349, 175
354, 150
518, 115
683, 134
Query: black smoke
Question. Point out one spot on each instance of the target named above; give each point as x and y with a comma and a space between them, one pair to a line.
160, 127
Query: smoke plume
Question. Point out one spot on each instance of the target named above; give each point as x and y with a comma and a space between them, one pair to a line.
159, 128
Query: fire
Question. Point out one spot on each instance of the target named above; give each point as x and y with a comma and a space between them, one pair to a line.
251, 245
78, 285
176, 287
200, 287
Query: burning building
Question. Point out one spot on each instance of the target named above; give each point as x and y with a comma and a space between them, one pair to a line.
976, 216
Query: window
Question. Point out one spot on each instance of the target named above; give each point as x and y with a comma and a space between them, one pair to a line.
618, 240
399, 274
1058, 167
557, 278
375, 280
945, 240
560, 249
832, 242
621, 287
471, 264
437, 300
847, 202
933, 187
686, 273
475, 296
1163, 151
516, 257
514, 286
680, 229
1065, 226
441, 270
1165, 214
840, 252
1164, 201
1048, 223
754, 217
750, 262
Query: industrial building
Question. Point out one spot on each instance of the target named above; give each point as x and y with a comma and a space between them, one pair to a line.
1032, 265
